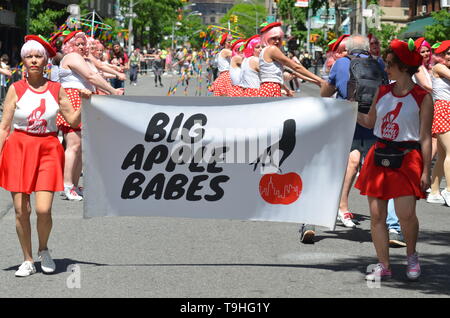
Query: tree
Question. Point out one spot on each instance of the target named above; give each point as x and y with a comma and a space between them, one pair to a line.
158, 15
249, 17
44, 19
440, 29
387, 33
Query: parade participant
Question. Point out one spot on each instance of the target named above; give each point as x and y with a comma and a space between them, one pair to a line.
134, 64
96, 58
441, 122
375, 49
271, 61
32, 157
336, 50
401, 116
250, 67
235, 68
423, 76
222, 85
76, 75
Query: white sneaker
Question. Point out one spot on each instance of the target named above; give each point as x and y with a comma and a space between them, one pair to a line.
26, 269
435, 198
446, 195
72, 195
47, 264
345, 218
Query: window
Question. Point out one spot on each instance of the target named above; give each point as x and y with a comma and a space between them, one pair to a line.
213, 20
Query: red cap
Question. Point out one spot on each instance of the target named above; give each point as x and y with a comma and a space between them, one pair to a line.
71, 35
444, 46
270, 26
334, 45
223, 39
236, 43
50, 50
249, 39
406, 52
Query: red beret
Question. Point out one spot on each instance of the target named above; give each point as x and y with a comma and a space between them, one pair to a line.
71, 35
223, 39
270, 26
444, 46
406, 52
334, 45
236, 43
418, 42
50, 50
249, 39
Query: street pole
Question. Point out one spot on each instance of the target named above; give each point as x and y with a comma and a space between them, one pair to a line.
173, 35
308, 37
92, 25
130, 28
363, 22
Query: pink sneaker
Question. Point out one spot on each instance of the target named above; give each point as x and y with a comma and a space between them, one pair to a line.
413, 269
380, 272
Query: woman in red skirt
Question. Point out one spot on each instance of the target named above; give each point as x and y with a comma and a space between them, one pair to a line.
271, 61
222, 84
441, 123
250, 67
401, 116
235, 69
76, 75
32, 158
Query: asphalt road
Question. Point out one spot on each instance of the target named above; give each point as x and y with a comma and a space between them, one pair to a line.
172, 257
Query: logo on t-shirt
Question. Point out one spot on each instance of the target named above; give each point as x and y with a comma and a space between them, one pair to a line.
389, 129
35, 123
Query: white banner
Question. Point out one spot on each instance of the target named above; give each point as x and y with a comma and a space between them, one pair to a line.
262, 159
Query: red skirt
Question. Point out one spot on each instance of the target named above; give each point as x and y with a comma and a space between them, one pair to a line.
441, 119
31, 162
270, 89
387, 183
236, 91
75, 99
251, 92
222, 84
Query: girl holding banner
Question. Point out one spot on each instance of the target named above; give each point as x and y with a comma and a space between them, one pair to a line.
398, 165
271, 61
32, 157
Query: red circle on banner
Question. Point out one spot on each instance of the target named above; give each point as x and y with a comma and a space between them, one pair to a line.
277, 188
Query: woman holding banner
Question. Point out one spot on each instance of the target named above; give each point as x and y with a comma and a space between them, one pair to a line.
398, 165
32, 157
272, 60
77, 75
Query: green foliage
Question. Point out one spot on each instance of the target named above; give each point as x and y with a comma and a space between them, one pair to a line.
387, 33
440, 30
249, 18
43, 20
156, 14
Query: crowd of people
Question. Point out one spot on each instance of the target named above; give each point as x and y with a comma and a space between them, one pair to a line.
403, 120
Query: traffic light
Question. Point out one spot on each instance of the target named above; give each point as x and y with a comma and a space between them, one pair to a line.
314, 37
233, 18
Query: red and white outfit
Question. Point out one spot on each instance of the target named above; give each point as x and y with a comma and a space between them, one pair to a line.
33, 158
72, 84
236, 80
250, 79
222, 84
271, 75
441, 97
398, 120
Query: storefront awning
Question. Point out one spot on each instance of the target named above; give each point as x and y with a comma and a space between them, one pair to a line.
416, 28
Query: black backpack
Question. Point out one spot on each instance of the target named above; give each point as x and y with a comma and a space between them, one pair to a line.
366, 75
